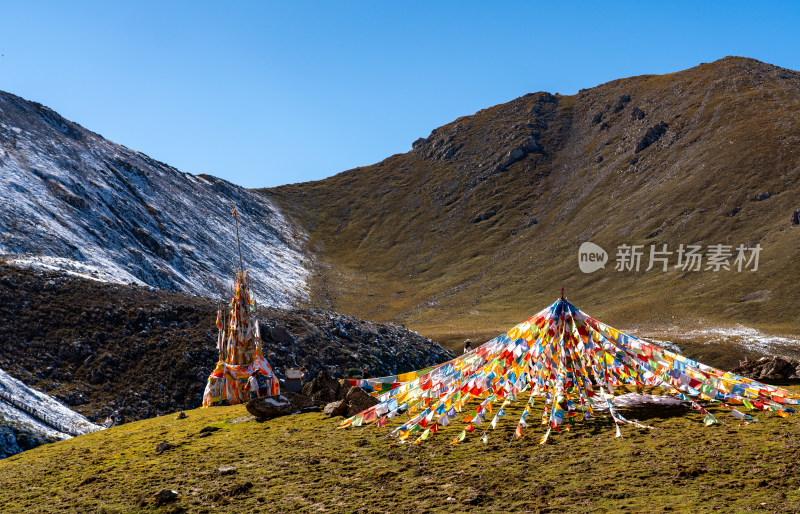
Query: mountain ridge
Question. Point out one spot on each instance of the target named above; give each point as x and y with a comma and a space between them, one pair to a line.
457, 227
75, 196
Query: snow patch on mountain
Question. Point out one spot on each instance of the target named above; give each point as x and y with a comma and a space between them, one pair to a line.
38, 412
76, 202
112, 273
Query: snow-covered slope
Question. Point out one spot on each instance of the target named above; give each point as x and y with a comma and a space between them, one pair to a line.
75, 201
39, 413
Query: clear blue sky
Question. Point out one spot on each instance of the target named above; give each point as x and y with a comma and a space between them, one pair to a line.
268, 93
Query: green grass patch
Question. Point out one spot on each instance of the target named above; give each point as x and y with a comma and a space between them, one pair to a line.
303, 463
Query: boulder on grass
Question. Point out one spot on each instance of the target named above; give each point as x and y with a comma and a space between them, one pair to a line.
359, 400
279, 405
337, 408
322, 389
165, 496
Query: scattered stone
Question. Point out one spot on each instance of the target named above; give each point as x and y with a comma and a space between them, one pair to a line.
208, 429
761, 295
637, 114
532, 222
472, 497
226, 470
240, 489
484, 216
733, 212
88, 480
599, 159
597, 118
165, 496
763, 196
796, 218
163, 446
181, 416
692, 472
634, 160
359, 400
279, 405
336, 408
604, 126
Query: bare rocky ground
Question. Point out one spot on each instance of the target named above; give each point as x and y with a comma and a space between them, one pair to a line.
101, 347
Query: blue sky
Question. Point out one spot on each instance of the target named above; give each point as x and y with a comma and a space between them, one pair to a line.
269, 93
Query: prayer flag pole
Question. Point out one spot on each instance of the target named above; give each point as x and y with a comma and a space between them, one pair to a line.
238, 244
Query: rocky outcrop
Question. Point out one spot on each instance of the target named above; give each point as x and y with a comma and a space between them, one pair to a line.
652, 135
770, 368
623, 99
528, 146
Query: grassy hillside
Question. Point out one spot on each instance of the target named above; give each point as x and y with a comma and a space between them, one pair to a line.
302, 463
479, 225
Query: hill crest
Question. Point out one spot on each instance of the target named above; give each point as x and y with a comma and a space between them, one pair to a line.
481, 221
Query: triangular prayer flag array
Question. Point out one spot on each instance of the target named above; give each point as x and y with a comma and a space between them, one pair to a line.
573, 362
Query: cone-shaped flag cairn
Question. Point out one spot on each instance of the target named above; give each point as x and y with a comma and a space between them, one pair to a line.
240, 355
566, 359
